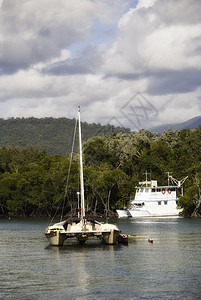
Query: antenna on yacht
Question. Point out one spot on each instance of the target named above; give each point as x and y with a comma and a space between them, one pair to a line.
179, 183
169, 177
146, 173
81, 169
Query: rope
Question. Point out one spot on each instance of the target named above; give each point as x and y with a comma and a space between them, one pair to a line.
67, 181
139, 236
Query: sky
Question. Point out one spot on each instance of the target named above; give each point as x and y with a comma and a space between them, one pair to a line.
135, 64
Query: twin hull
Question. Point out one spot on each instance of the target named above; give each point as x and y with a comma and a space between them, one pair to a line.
107, 233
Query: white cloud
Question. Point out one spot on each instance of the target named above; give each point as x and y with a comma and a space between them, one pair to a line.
145, 3
51, 58
145, 44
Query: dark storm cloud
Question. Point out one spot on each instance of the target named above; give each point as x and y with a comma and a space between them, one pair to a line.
173, 82
178, 11
32, 32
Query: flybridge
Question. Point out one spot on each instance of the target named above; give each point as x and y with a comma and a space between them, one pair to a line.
152, 183
153, 200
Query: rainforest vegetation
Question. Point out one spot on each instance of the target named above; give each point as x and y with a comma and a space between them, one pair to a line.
34, 182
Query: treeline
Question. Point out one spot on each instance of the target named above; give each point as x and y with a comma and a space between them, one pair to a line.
34, 183
52, 134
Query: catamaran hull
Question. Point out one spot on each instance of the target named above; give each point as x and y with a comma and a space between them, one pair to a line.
111, 237
76, 228
56, 238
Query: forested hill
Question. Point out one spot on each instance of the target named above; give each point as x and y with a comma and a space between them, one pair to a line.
33, 182
189, 124
55, 135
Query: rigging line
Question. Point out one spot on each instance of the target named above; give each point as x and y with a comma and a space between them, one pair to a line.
71, 158
54, 216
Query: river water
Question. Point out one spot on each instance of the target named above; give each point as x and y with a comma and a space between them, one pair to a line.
168, 268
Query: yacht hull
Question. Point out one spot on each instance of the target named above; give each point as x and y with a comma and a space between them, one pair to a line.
123, 213
146, 213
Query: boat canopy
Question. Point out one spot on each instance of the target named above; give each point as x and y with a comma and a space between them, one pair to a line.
74, 220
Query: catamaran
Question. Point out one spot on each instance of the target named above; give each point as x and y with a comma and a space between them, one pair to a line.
152, 200
81, 227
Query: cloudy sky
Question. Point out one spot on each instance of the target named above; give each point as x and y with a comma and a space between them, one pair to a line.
131, 63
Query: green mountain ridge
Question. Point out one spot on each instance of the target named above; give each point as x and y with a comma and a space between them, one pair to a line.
190, 124
55, 135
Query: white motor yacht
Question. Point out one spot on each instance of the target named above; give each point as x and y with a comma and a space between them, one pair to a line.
152, 200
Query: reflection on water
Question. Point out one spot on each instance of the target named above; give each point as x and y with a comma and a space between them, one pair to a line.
169, 268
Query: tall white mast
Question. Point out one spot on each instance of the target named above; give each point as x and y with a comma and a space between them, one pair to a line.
81, 168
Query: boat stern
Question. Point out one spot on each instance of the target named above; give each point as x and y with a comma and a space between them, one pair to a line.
56, 235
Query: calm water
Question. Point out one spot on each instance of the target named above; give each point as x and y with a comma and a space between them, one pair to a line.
170, 268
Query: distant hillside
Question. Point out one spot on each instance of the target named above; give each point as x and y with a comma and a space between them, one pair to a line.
190, 124
53, 134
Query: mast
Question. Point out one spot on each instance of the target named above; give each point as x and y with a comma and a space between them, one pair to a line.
81, 168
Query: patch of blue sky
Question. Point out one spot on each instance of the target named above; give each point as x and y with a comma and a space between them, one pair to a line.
102, 34
132, 4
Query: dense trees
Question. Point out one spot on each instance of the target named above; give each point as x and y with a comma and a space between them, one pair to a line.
33, 182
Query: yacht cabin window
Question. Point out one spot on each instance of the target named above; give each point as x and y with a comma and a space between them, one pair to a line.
139, 204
